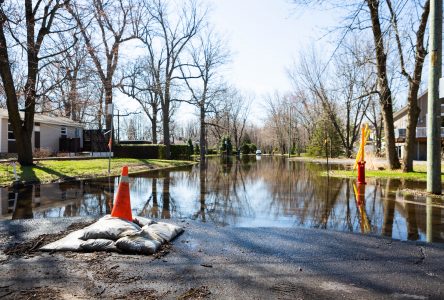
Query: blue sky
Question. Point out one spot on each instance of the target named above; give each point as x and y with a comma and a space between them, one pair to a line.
264, 37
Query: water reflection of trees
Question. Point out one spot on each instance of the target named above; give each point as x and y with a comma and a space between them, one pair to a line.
65, 199
157, 205
295, 191
223, 197
237, 191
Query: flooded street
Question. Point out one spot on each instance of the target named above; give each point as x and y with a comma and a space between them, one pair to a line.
248, 192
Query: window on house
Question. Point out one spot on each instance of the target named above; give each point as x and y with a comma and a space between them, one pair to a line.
12, 198
11, 136
63, 132
77, 132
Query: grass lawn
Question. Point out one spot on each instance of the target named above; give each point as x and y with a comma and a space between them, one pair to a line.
419, 174
52, 170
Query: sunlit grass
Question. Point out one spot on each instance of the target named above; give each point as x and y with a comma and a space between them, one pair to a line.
51, 170
419, 174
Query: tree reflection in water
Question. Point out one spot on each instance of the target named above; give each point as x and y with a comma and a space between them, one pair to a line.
23, 205
246, 192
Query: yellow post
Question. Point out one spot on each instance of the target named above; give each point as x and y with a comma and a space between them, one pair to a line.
362, 141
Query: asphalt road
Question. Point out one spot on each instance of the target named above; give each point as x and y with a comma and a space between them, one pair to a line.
228, 263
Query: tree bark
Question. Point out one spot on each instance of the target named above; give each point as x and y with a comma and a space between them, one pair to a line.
166, 130
385, 92
108, 101
413, 109
202, 142
154, 126
412, 117
389, 132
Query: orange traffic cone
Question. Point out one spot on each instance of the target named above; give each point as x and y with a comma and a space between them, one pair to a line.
122, 202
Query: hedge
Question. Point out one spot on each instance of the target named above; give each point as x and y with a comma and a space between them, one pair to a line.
135, 143
180, 152
150, 151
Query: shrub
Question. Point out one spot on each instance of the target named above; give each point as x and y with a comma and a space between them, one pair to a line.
42, 153
180, 152
150, 151
245, 149
140, 151
190, 146
248, 148
317, 144
226, 145
211, 151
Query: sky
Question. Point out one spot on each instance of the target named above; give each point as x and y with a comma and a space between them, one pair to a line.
264, 37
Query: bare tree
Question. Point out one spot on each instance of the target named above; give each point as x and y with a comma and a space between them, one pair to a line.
238, 108
405, 22
414, 77
277, 120
231, 119
111, 20
70, 86
374, 116
138, 82
203, 79
24, 30
340, 89
165, 38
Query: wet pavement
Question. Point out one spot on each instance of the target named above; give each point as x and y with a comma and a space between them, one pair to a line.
228, 263
247, 192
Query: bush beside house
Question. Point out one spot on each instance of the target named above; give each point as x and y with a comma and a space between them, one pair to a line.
151, 151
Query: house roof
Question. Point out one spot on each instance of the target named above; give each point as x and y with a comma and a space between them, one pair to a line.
400, 113
45, 119
403, 111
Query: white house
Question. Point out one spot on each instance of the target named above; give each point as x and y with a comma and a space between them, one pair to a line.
400, 121
48, 131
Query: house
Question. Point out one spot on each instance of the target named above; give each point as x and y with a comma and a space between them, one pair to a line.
400, 122
52, 133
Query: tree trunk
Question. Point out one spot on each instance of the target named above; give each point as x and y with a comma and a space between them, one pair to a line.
166, 197
22, 129
389, 132
202, 133
154, 126
166, 131
24, 148
108, 100
385, 92
413, 114
414, 82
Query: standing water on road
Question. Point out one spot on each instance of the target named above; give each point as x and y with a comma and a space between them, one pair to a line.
246, 192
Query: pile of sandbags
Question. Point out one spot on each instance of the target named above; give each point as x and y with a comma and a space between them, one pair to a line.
142, 236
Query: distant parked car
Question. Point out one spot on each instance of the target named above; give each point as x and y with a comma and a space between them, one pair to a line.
258, 152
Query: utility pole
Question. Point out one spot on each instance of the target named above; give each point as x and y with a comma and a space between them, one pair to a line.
110, 112
434, 102
118, 121
289, 133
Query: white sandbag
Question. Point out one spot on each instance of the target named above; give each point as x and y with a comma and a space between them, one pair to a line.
71, 242
114, 234
151, 234
109, 228
141, 221
98, 245
165, 231
137, 244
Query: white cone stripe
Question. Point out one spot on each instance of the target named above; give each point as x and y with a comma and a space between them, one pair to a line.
124, 179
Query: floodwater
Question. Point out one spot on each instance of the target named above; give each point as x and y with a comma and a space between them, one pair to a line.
246, 192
